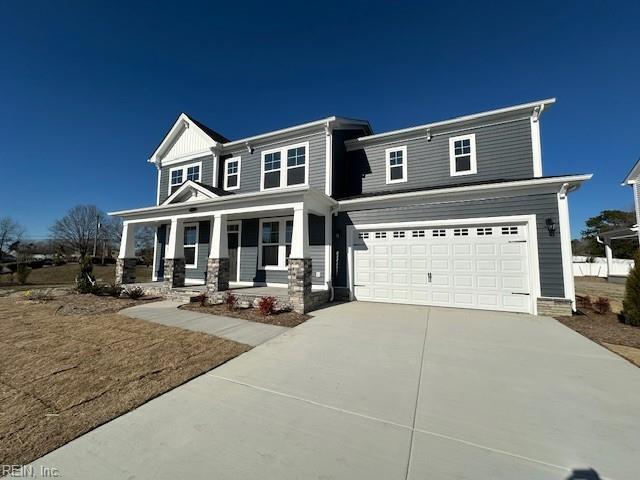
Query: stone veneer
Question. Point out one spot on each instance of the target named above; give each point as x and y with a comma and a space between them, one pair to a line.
554, 307
217, 275
174, 272
300, 284
126, 270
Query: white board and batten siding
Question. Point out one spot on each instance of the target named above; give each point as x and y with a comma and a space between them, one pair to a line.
479, 266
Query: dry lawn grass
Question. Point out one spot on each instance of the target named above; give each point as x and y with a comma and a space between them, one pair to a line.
63, 374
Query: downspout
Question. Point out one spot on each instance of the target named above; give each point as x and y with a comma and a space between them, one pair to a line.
333, 212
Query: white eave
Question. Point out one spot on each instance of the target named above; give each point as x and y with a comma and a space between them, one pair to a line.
253, 197
530, 107
183, 121
632, 176
571, 182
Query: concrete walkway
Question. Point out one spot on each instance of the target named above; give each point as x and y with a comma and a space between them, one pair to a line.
168, 313
390, 392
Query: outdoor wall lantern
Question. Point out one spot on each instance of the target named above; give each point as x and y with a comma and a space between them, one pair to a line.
193, 209
551, 226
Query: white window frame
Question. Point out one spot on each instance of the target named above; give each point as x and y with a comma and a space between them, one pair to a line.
387, 160
282, 245
195, 257
452, 155
226, 172
284, 168
184, 173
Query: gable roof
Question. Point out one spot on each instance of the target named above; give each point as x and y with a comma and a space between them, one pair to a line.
207, 190
632, 176
212, 133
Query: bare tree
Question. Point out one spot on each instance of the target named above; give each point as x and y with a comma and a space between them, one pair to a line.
77, 230
10, 232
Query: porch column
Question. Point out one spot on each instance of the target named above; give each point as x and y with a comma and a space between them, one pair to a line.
300, 267
126, 262
218, 262
609, 254
174, 259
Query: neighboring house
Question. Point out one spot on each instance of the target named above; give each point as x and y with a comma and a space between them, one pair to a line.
623, 233
454, 213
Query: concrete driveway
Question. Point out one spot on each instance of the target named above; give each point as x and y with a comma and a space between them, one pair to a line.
374, 391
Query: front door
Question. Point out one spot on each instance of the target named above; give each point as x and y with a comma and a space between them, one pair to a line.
233, 241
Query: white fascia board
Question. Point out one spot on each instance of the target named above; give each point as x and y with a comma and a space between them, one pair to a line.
182, 120
186, 185
465, 118
632, 176
256, 201
573, 180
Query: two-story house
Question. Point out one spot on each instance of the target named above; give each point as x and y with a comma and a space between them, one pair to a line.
452, 213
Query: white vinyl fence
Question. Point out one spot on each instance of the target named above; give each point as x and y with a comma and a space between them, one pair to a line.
598, 267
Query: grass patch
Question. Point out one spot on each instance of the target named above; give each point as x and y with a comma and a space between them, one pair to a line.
71, 364
66, 274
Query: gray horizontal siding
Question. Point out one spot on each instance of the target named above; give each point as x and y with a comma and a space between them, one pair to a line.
249, 271
502, 151
250, 169
206, 175
543, 205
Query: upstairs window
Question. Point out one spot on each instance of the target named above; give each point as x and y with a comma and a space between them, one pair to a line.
462, 155
232, 174
284, 167
396, 160
179, 175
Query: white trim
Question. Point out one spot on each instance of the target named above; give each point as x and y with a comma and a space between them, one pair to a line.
226, 174
159, 169
536, 144
282, 246
565, 246
575, 179
465, 118
284, 168
185, 158
182, 123
189, 184
184, 174
239, 232
532, 241
215, 158
233, 285
473, 166
154, 274
328, 156
328, 252
405, 163
191, 266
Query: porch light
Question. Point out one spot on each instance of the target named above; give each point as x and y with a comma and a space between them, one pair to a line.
551, 226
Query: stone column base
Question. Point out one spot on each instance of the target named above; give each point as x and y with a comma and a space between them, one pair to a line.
126, 270
300, 284
174, 272
554, 307
217, 275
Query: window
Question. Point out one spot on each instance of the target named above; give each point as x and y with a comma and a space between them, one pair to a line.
396, 160
460, 232
418, 234
509, 230
275, 243
381, 234
439, 233
190, 246
398, 234
232, 174
462, 155
484, 231
296, 165
178, 175
285, 167
364, 235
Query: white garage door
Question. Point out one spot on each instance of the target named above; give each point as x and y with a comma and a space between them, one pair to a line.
484, 266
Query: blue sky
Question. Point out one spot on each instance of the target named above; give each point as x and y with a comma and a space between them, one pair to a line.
89, 88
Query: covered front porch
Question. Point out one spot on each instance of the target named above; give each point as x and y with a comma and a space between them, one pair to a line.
607, 238
268, 243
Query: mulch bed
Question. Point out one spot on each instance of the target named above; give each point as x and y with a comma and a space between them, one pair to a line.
603, 328
282, 319
65, 371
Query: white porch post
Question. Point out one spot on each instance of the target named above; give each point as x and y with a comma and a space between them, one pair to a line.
218, 262
174, 273
300, 234
126, 262
219, 247
128, 241
609, 254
